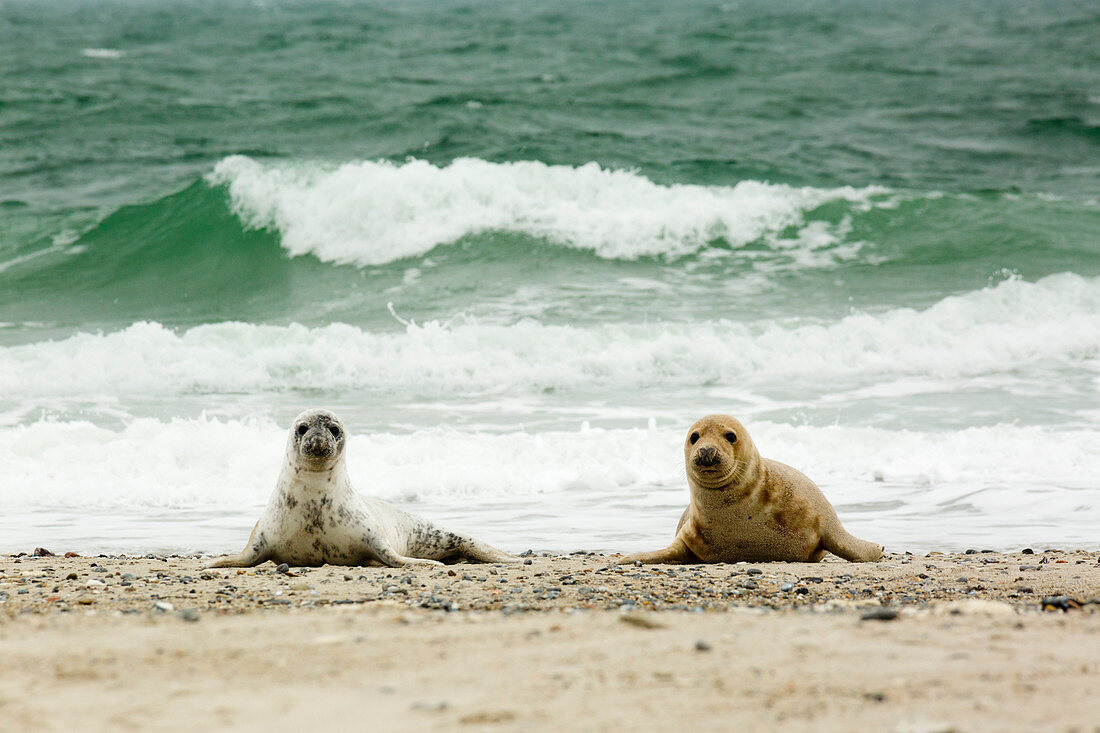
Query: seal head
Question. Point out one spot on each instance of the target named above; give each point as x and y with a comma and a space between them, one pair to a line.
719, 454
316, 441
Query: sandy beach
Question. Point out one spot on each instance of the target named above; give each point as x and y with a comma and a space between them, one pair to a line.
963, 642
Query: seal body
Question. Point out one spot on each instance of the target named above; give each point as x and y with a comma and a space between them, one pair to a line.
315, 517
748, 508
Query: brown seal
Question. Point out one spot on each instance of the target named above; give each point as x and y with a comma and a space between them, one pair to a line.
748, 508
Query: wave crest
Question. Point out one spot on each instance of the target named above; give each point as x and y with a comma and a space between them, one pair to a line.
371, 213
990, 331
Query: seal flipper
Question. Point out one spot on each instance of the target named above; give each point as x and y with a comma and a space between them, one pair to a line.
477, 551
677, 553
837, 541
380, 550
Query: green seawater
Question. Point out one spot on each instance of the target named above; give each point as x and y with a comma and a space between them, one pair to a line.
112, 112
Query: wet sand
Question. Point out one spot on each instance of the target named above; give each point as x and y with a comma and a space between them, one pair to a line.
966, 642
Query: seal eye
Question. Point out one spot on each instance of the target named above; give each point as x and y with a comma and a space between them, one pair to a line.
302, 429
731, 437
335, 431
694, 438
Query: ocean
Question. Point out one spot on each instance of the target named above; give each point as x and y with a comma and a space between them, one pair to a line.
519, 247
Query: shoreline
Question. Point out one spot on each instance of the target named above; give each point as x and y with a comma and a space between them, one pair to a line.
986, 641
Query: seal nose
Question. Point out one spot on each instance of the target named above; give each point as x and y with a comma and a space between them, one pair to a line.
707, 456
315, 445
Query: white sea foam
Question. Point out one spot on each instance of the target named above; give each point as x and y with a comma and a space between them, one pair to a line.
606, 489
370, 213
998, 330
105, 54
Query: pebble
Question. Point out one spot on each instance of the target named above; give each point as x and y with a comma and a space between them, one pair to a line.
430, 706
880, 614
164, 606
702, 645
190, 614
284, 568
786, 587
70, 576
640, 620
754, 571
1059, 603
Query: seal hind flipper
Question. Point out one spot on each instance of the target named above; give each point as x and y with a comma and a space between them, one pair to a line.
477, 551
837, 541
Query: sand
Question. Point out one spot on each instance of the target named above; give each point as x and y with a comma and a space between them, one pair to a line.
958, 642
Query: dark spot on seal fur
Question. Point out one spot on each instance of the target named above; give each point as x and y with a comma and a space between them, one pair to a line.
290, 501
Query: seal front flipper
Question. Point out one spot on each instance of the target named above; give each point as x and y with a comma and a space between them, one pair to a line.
677, 553
254, 553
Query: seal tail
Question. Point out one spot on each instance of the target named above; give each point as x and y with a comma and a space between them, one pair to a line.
853, 549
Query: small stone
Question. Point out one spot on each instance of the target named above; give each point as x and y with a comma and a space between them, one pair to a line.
748, 584
754, 571
1059, 603
880, 614
786, 587
525, 562
702, 645
42, 552
190, 614
70, 576
93, 583
284, 568
85, 600
347, 577
430, 706
1027, 551
163, 606
72, 554
640, 620
301, 586
971, 552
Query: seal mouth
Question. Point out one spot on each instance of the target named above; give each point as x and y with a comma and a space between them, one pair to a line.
716, 477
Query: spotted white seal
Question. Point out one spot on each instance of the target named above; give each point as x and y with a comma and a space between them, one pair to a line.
315, 517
